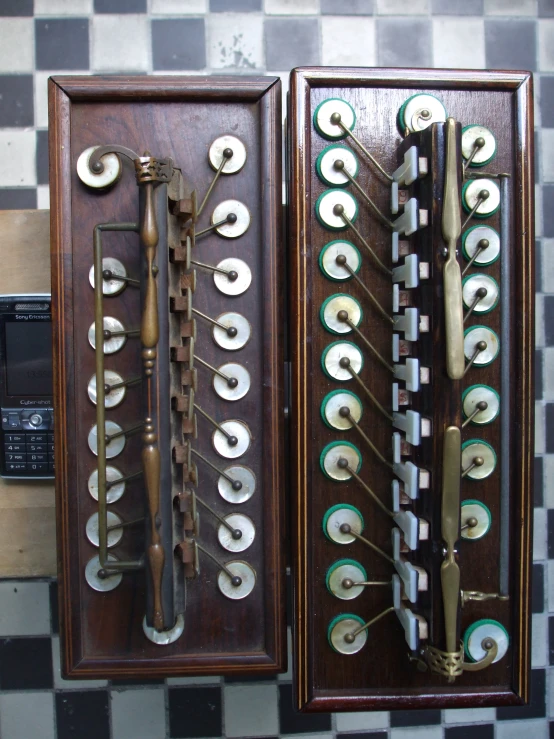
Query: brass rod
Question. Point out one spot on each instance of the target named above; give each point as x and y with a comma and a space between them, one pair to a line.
218, 563
371, 158
477, 144
370, 492
224, 159
481, 245
100, 391
370, 346
213, 369
211, 320
236, 484
370, 544
124, 432
230, 438
107, 334
369, 393
221, 520
125, 524
478, 349
110, 484
373, 620
481, 199
370, 443
384, 220
123, 383
199, 234
370, 295
108, 274
484, 405
476, 300
373, 255
210, 267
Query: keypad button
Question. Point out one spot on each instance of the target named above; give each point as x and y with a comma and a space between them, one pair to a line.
51, 468
51, 458
13, 421
16, 467
51, 438
36, 447
15, 457
51, 448
37, 438
37, 467
37, 458
15, 447
15, 438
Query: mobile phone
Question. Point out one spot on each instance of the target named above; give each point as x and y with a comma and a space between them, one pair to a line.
27, 436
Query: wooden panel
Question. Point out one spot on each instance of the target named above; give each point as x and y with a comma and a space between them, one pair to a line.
27, 520
381, 675
178, 119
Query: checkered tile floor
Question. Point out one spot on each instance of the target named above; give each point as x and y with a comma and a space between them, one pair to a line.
43, 37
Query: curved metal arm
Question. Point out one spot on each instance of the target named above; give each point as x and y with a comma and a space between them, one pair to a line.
487, 660
95, 164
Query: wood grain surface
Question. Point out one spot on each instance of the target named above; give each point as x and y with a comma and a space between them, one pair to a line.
381, 676
179, 119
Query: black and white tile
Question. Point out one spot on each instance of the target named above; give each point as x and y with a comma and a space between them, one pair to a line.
39, 38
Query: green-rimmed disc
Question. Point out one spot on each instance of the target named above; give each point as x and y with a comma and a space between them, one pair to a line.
325, 165
346, 623
472, 336
350, 568
328, 260
331, 358
474, 282
420, 101
322, 118
474, 635
333, 402
470, 193
332, 452
486, 153
475, 394
475, 509
472, 236
332, 307
325, 204
478, 448
349, 514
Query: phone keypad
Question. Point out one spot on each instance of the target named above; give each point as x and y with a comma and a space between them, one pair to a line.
28, 452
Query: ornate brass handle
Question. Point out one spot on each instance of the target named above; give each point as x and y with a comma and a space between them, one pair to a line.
450, 525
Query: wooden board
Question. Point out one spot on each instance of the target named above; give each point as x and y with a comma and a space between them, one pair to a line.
381, 675
27, 516
176, 119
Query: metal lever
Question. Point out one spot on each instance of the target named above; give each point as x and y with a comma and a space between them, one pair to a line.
450, 525
451, 230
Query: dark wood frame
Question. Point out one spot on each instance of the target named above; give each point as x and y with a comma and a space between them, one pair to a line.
64, 92
299, 120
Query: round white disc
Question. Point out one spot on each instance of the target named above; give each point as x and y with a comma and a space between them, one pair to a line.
233, 287
221, 443
485, 153
235, 163
326, 203
473, 337
114, 447
115, 343
470, 196
337, 451
232, 343
474, 509
338, 400
486, 256
478, 449
243, 524
113, 286
330, 311
414, 110
243, 475
164, 637
240, 226
343, 627
239, 373
481, 630
325, 110
111, 173
334, 353
334, 521
245, 572
477, 394
474, 283
114, 536
114, 492
328, 260
345, 571
326, 165
114, 397
103, 585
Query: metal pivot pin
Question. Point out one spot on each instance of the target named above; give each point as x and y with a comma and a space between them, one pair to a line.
476, 462
231, 331
336, 120
342, 261
480, 247
482, 196
236, 485
478, 144
481, 406
227, 154
480, 346
339, 167
231, 439
229, 218
480, 294
342, 316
